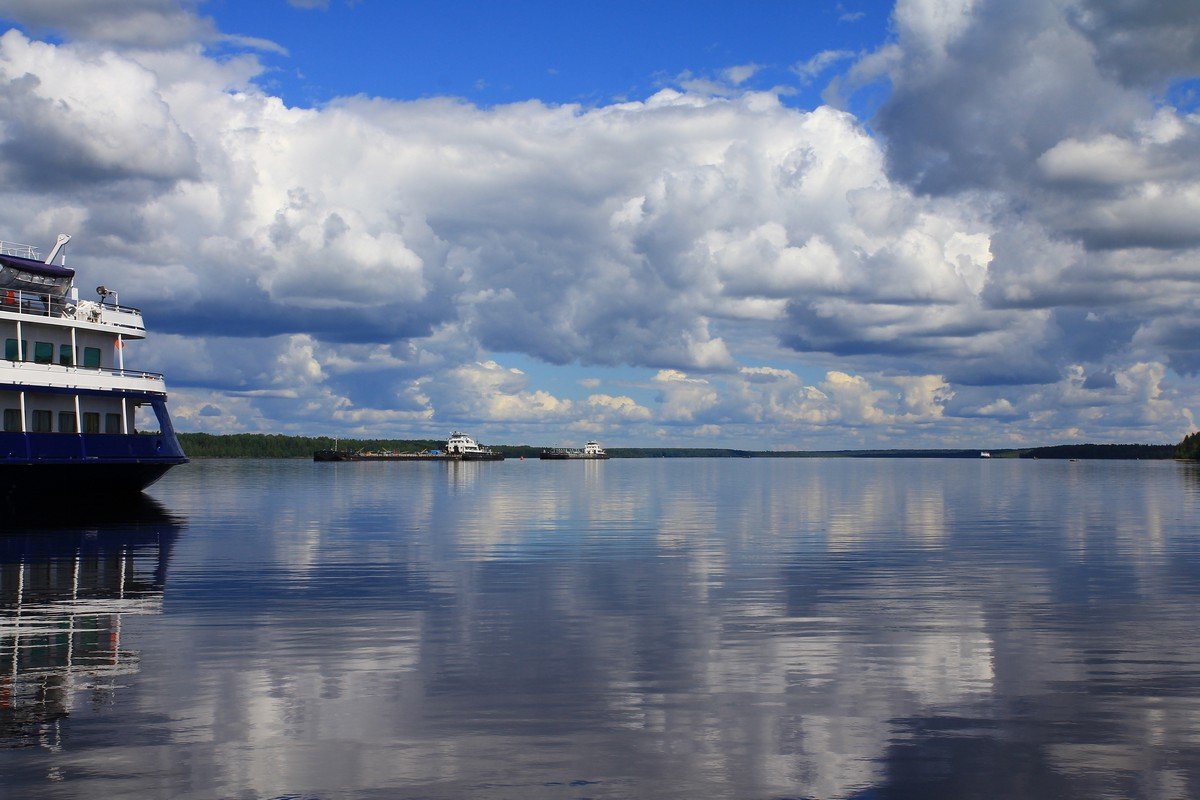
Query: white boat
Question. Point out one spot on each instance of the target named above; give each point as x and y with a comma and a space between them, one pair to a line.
70, 405
467, 449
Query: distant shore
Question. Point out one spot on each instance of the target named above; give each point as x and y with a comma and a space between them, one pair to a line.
264, 445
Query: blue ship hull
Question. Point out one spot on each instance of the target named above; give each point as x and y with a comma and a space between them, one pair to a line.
69, 465
65, 481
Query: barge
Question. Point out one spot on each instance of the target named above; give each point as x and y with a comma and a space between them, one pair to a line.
460, 447
592, 451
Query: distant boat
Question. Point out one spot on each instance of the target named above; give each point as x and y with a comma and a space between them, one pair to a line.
984, 454
460, 447
468, 449
592, 451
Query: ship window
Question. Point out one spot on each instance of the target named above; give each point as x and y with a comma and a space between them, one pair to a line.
66, 422
43, 421
12, 420
11, 352
65, 356
91, 356
43, 352
91, 422
112, 423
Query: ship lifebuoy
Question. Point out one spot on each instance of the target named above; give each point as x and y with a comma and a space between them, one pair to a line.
10, 299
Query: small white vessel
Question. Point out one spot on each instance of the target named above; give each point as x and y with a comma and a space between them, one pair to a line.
467, 449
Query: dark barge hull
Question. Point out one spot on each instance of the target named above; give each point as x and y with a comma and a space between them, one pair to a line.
546, 455
335, 455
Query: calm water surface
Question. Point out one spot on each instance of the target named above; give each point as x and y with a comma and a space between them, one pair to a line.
633, 629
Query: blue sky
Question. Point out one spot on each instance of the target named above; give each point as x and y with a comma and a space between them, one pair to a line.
928, 223
588, 53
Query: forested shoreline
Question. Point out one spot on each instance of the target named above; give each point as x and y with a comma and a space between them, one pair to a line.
1189, 447
273, 445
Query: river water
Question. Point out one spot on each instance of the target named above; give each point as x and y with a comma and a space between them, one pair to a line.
709, 628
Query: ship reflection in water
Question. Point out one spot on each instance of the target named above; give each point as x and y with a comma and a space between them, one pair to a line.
64, 591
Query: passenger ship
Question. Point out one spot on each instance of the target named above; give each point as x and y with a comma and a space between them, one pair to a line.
70, 406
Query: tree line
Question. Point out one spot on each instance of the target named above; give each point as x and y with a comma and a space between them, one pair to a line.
275, 445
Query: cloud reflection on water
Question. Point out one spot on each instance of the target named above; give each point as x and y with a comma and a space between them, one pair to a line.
815, 628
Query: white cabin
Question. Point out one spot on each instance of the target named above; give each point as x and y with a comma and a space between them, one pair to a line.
462, 444
63, 369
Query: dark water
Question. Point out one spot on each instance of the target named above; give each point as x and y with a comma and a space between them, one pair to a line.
634, 629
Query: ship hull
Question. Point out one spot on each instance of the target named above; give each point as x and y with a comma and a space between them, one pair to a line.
482, 457
334, 455
337, 455
65, 466
30, 482
552, 456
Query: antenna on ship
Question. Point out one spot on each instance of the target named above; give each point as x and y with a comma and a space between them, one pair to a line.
59, 247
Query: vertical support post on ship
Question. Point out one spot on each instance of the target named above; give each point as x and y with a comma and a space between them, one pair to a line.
24, 427
121, 368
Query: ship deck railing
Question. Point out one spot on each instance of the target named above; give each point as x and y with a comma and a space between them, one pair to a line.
68, 369
20, 250
44, 304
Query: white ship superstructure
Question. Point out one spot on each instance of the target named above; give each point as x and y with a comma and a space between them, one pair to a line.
466, 448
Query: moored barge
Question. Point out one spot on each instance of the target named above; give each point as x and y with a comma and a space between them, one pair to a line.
460, 447
592, 451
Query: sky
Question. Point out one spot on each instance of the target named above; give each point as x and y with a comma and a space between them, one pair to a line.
781, 225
